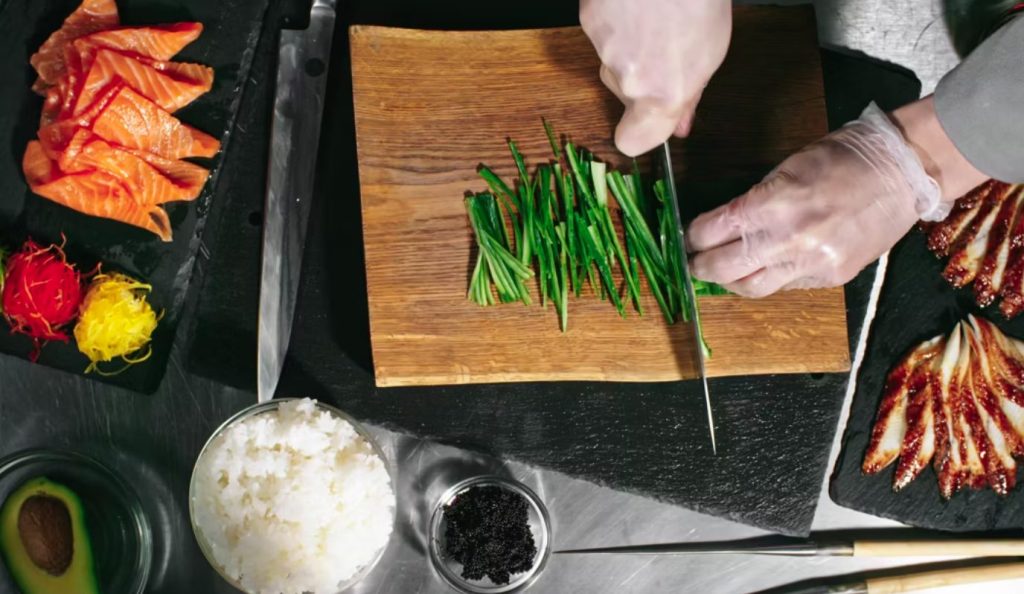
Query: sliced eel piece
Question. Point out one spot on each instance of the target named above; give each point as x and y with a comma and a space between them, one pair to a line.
1007, 369
989, 281
1013, 289
993, 432
965, 419
891, 421
943, 237
950, 463
919, 440
965, 262
1012, 292
1004, 360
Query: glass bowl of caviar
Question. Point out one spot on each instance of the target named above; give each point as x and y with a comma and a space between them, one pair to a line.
489, 535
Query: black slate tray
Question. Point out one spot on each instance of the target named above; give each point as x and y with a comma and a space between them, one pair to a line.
774, 431
916, 304
231, 31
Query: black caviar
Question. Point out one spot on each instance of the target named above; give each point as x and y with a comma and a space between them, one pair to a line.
488, 532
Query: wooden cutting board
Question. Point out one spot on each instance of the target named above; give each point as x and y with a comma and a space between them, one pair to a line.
432, 105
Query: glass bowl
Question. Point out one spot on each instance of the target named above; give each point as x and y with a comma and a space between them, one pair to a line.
450, 570
263, 408
120, 535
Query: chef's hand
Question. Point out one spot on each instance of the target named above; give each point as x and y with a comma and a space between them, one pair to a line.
834, 207
657, 57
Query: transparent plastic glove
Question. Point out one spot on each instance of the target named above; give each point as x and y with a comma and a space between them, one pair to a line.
821, 216
657, 56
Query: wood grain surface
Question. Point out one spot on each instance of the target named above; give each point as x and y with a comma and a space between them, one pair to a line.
430, 106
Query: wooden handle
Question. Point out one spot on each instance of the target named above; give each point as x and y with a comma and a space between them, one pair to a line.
945, 577
1010, 547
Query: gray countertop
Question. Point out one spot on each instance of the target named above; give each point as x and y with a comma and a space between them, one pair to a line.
153, 440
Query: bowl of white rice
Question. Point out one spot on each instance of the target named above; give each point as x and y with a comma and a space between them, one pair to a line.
292, 496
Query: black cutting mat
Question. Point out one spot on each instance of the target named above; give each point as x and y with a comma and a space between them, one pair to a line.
916, 304
231, 32
774, 432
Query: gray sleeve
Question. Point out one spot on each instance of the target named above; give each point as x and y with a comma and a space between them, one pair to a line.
980, 104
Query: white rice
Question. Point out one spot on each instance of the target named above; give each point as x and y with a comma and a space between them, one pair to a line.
293, 501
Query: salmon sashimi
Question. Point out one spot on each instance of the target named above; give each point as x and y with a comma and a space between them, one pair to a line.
60, 98
185, 72
55, 136
185, 175
94, 193
161, 42
89, 17
108, 144
147, 183
82, 53
166, 90
135, 122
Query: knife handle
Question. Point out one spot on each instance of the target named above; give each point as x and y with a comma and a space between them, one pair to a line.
1009, 547
944, 577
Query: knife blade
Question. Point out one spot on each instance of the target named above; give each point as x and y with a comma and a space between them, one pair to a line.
687, 288
804, 548
864, 548
303, 57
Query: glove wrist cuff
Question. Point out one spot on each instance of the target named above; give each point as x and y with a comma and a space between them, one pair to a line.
927, 193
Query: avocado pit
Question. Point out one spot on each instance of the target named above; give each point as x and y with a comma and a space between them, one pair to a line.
44, 526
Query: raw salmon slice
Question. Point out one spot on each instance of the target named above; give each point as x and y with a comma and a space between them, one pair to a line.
82, 52
147, 183
164, 88
185, 71
161, 42
135, 122
94, 193
55, 136
183, 174
89, 17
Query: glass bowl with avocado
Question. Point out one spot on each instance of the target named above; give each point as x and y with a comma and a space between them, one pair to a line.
69, 524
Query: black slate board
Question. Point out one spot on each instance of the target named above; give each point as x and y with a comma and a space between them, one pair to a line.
231, 31
916, 304
774, 432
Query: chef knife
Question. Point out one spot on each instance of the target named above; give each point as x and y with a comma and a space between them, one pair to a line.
1008, 547
303, 56
687, 288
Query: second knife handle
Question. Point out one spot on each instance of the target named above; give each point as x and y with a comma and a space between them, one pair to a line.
945, 577
939, 548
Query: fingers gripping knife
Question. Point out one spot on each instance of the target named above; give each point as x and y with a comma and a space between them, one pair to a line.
303, 56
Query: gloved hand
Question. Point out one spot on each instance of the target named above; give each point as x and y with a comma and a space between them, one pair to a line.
821, 216
657, 57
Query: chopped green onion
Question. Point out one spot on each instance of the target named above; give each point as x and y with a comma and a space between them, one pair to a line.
563, 235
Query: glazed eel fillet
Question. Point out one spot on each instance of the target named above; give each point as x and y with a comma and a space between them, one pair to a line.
956, 402
983, 237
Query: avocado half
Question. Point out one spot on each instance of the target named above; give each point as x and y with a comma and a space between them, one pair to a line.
44, 540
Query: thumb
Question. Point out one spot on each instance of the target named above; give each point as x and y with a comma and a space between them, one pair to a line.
643, 127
